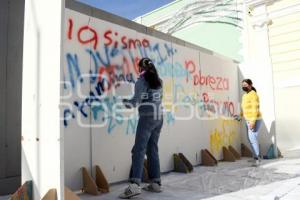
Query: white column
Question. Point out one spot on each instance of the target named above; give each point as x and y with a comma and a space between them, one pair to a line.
42, 147
257, 66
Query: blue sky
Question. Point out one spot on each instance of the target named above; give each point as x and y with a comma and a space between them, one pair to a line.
129, 9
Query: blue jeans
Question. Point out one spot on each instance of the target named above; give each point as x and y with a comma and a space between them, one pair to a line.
146, 142
253, 137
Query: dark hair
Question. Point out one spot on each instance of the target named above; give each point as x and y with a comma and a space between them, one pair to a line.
151, 75
249, 83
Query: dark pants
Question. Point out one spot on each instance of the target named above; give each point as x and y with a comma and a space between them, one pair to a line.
146, 142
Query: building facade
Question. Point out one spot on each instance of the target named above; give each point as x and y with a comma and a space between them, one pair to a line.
263, 35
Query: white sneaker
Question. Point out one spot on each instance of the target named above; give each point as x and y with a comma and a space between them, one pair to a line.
131, 191
153, 187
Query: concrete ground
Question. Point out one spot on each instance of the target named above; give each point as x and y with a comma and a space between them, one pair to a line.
273, 180
277, 179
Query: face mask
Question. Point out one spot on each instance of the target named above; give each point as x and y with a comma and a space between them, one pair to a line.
245, 89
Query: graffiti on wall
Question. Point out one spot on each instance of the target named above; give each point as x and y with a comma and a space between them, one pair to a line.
224, 134
100, 60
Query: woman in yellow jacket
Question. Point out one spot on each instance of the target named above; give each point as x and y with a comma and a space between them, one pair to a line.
252, 115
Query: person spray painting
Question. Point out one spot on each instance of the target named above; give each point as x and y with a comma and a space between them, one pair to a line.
252, 116
148, 97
